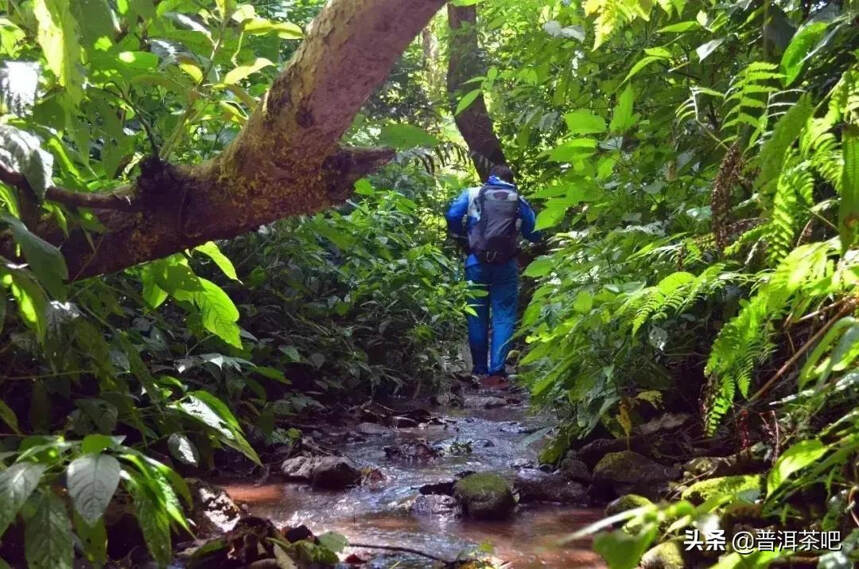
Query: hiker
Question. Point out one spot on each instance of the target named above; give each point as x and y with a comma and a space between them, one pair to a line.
495, 215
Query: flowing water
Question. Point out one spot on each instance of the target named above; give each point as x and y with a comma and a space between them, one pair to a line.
379, 513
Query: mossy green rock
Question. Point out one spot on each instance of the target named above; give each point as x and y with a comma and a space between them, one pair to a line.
485, 496
748, 486
668, 555
626, 502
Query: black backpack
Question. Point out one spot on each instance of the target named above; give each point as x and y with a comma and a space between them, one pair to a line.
494, 238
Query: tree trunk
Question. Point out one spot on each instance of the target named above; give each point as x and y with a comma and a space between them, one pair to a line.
286, 160
474, 122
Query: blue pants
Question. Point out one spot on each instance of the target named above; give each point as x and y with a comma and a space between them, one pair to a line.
499, 308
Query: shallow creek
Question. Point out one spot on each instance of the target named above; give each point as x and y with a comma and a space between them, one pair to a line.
379, 513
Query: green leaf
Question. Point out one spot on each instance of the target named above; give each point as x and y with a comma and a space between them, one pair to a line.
244, 71
784, 134
7, 415
58, 36
584, 122
622, 119
211, 250
152, 518
284, 30
848, 210
798, 50
48, 538
680, 27
16, 484
22, 152
211, 411
44, 259
406, 136
333, 541
92, 480
96, 443
793, 459
467, 100
641, 64
183, 449
551, 215
584, 302
30, 297
704, 50
93, 538
572, 150
218, 313
622, 550
541, 266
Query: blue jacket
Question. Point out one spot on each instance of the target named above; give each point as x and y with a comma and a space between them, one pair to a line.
464, 207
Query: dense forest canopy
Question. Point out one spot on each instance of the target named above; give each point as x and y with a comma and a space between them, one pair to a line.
220, 217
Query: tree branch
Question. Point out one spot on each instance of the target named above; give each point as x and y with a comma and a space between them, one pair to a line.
285, 161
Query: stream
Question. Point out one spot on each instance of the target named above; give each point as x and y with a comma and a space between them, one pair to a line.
379, 513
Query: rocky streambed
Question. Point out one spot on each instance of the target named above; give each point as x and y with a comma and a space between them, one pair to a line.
456, 479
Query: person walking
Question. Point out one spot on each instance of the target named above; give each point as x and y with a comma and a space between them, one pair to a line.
488, 220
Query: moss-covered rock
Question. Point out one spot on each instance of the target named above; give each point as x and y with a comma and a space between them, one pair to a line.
668, 555
485, 496
626, 502
627, 471
748, 486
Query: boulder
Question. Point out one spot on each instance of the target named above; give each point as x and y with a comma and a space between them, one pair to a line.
485, 496
213, 511
575, 469
667, 555
483, 402
436, 505
627, 471
535, 485
746, 486
593, 452
329, 472
626, 502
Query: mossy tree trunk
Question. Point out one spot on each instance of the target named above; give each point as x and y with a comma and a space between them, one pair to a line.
286, 161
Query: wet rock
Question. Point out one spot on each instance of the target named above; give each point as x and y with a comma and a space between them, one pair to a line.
522, 463
575, 469
535, 485
213, 511
445, 488
329, 472
411, 451
665, 422
372, 429
593, 452
436, 505
483, 402
373, 477
752, 460
403, 422
746, 486
625, 503
298, 533
668, 555
627, 471
485, 496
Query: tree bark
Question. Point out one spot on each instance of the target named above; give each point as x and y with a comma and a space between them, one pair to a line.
474, 122
286, 161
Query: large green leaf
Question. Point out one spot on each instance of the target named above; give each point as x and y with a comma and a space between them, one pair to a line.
22, 153
44, 259
793, 459
152, 518
211, 411
785, 133
16, 484
219, 314
622, 119
48, 538
58, 36
406, 136
92, 480
622, 550
848, 211
212, 250
583, 121
797, 51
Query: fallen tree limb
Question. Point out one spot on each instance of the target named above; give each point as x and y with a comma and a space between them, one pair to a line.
401, 549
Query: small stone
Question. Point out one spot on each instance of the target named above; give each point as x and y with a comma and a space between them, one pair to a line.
329, 472
486, 496
535, 485
372, 429
480, 402
436, 505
